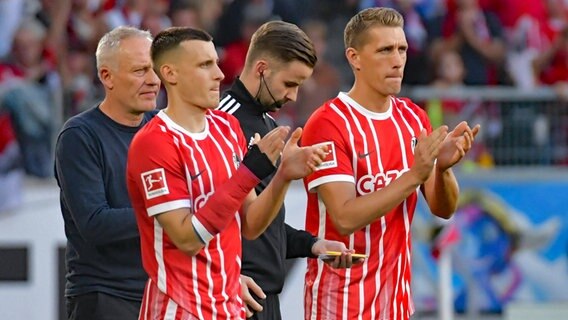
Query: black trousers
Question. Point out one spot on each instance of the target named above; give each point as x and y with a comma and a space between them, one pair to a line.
271, 308
101, 306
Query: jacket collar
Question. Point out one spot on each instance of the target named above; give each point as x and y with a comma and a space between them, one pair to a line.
247, 101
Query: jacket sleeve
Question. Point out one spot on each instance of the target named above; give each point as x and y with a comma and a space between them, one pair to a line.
299, 243
79, 171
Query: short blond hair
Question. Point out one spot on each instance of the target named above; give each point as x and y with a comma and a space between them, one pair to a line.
355, 31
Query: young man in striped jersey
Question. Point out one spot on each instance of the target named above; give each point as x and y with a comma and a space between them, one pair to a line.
191, 179
280, 58
383, 150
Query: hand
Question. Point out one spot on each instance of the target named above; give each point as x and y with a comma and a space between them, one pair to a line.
251, 306
345, 260
426, 151
298, 162
272, 143
457, 143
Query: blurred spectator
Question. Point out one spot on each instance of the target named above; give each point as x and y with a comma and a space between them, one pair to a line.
478, 36
321, 86
11, 12
232, 57
156, 18
117, 13
185, 13
229, 28
416, 37
450, 75
31, 85
11, 173
551, 64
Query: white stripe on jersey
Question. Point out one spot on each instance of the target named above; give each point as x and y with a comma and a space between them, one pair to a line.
224, 280
195, 286
210, 279
402, 144
398, 275
158, 249
368, 227
231, 130
321, 234
351, 138
414, 115
195, 282
147, 302
408, 127
168, 206
171, 310
239, 152
331, 178
378, 273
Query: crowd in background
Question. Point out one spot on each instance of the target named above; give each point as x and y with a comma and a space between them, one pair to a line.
47, 53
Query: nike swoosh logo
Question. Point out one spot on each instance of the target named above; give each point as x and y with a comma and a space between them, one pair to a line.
195, 176
363, 155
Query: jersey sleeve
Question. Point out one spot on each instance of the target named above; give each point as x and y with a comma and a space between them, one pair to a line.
157, 171
324, 128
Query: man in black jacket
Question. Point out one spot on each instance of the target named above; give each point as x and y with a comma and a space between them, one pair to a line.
279, 59
105, 278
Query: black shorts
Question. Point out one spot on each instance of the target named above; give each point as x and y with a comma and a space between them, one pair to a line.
101, 306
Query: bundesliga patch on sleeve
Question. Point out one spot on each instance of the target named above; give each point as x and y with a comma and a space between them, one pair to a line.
155, 183
330, 160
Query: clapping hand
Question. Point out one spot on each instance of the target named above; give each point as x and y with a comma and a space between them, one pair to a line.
456, 144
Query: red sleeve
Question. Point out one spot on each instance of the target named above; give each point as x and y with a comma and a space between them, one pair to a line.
156, 170
326, 127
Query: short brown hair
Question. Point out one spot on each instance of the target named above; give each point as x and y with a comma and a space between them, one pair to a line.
170, 38
355, 31
282, 41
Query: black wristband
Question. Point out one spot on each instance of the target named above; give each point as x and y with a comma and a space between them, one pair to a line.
258, 163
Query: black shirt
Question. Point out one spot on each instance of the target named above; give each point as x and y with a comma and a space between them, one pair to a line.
263, 258
103, 243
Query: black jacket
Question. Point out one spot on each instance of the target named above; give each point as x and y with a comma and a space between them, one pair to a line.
263, 258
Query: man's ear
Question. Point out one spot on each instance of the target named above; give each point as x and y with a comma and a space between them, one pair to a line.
260, 67
106, 77
168, 73
352, 56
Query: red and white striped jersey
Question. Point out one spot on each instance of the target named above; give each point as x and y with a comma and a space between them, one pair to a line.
369, 150
170, 168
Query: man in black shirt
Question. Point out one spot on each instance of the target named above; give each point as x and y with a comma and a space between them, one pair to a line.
279, 59
105, 278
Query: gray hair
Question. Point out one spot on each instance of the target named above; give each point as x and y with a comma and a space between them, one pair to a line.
109, 43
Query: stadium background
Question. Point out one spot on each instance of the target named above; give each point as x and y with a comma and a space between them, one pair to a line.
507, 245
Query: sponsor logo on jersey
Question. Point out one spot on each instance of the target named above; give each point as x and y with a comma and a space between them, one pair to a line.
193, 177
370, 183
330, 160
154, 183
362, 155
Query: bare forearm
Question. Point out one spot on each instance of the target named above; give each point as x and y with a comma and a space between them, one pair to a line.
442, 193
260, 213
358, 212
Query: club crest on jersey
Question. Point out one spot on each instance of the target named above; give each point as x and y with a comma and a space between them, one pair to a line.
236, 160
154, 183
413, 144
330, 160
